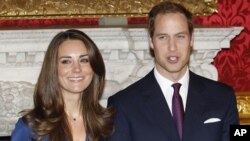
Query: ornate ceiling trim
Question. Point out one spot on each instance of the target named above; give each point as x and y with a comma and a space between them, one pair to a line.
16, 9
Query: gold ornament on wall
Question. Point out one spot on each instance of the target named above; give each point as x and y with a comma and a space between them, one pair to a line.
243, 105
14, 9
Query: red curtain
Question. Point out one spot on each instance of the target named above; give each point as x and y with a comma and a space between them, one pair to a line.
233, 64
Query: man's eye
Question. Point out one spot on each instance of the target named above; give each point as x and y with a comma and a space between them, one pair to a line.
162, 37
181, 36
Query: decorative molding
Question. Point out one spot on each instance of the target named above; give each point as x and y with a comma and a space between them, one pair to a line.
13, 9
14, 97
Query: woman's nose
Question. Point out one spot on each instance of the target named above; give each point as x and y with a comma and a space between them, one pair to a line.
76, 67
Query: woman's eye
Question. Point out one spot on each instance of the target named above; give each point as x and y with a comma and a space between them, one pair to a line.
84, 60
65, 61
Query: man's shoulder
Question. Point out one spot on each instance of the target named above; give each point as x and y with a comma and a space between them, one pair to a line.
131, 90
134, 89
211, 89
209, 82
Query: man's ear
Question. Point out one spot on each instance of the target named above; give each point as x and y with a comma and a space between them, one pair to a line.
151, 45
192, 41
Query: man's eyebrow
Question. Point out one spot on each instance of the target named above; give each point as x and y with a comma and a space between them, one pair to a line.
182, 33
160, 34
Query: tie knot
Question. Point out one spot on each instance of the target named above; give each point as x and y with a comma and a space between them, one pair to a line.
176, 87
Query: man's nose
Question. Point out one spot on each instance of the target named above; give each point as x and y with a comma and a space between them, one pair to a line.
172, 44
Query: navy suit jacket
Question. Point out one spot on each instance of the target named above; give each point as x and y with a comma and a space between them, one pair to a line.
142, 113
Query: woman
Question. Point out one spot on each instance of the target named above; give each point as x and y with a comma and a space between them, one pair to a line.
66, 97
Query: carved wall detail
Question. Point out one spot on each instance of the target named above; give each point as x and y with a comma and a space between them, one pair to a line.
14, 97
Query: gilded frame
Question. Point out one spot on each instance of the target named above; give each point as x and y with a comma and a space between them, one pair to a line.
243, 105
33, 9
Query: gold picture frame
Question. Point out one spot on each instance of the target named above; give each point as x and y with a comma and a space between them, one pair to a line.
243, 105
23, 9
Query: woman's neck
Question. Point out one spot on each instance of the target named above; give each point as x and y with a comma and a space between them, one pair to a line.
73, 107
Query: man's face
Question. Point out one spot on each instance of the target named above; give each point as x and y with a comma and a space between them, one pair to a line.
171, 43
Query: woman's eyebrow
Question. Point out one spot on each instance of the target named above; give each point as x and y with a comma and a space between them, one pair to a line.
83, 55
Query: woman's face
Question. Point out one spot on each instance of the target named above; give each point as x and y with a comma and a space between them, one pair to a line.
74, 70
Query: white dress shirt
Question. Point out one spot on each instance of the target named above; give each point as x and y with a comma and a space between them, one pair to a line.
168, 90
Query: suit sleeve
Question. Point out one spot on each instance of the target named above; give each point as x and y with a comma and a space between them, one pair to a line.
121, 125
21, 132
232, 116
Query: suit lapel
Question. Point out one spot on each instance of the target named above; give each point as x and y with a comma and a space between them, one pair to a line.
194, 107
157, 109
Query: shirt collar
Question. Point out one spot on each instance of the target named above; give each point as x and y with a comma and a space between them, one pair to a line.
164, 81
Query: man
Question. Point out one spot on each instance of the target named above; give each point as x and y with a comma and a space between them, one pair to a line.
145, 111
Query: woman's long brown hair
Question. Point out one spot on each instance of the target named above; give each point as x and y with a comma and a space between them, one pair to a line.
48, 116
